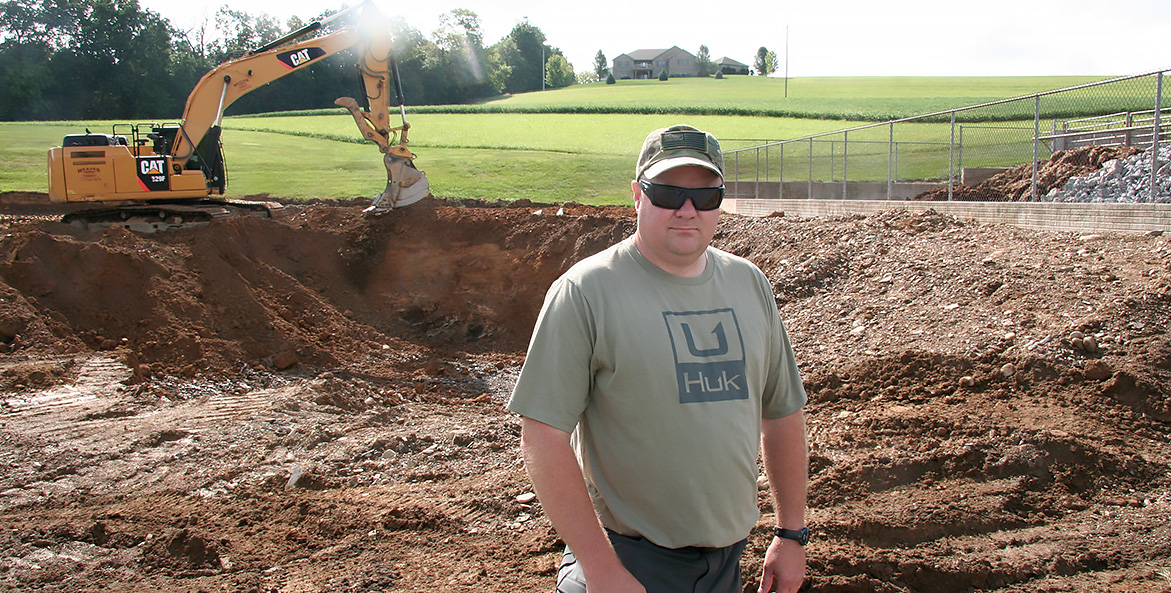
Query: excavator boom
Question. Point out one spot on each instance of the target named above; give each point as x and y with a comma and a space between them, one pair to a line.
163, 163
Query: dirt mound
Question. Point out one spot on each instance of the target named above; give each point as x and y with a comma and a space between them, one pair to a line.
990, 407
1016, 183
326, 286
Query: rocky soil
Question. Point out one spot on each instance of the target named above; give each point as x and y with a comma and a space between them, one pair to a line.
1126, 180
1015, 184
314, 403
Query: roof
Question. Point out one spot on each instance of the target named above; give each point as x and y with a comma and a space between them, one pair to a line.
726, 61
646, 55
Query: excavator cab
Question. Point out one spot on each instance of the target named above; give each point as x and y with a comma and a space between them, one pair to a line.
208, 157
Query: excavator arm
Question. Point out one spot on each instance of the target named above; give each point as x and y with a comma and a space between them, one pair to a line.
178, 163
231, 80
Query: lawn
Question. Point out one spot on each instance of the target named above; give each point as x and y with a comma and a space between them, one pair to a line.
580, 143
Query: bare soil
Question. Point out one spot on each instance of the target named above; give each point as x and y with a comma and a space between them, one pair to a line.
314, 403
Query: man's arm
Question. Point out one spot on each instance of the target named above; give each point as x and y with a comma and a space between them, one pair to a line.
786, 463
561, 488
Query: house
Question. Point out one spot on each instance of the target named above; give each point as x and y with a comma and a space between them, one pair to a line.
649, 63
729, 66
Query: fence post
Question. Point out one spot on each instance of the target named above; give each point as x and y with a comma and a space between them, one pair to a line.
809, 194
890, 163
737, 174
756, 191
1036, 141
951, 160
845, 161
960, 153
781, 175
1155, 136
766, 171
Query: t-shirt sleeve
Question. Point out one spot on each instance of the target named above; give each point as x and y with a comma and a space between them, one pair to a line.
784, 392
554, 383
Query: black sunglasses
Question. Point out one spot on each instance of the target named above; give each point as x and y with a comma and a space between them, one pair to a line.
673, 197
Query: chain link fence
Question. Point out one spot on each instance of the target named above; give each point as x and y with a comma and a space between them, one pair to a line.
939, 156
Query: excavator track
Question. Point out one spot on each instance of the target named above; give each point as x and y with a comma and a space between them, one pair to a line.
162, 216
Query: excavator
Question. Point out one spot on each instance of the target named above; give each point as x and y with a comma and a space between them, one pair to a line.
151, 177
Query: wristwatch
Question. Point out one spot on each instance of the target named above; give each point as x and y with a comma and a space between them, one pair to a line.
800, 536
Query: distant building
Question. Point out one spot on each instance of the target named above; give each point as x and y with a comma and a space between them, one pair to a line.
729, 66
649, 63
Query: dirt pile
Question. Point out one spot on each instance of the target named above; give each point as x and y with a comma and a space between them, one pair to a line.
1016, 183
325, 287
314, 403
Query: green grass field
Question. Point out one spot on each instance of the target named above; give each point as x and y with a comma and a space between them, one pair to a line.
574, 144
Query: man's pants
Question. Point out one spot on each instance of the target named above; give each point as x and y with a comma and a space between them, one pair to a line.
664, 570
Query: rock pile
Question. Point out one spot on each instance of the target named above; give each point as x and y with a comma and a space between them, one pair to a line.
1122, 180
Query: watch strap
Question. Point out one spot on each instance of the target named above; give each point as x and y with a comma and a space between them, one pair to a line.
801, 536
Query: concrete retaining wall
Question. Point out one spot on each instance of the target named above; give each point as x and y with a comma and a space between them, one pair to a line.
1088, 218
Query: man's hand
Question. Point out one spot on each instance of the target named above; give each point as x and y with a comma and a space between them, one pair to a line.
784, 567
562, 490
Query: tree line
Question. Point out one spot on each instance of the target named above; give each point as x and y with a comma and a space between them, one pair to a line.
111, 59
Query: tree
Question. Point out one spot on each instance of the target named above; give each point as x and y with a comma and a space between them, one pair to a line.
498, 71
558, 72
22, 21
760, 64
244, 32
770, 63
458, 29
663, 74
601, 65
610, 78
457, 65
703, 61
522, 50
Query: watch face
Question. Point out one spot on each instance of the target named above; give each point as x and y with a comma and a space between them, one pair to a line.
803, 536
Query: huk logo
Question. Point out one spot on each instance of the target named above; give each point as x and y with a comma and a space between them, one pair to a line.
295, 58
709, 355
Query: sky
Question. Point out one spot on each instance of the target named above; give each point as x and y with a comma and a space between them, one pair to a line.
810, 37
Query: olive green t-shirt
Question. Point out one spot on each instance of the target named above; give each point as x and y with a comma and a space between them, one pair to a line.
663, 381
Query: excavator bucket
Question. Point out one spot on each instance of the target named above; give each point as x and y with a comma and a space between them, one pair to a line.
405, 185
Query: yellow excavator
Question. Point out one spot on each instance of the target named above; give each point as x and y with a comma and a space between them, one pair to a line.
152, 176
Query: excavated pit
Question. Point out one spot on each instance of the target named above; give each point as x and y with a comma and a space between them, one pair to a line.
313, 403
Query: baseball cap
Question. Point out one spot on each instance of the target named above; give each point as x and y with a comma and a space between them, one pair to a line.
678, 146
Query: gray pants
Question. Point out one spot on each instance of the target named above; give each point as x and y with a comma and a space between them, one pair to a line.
665, 570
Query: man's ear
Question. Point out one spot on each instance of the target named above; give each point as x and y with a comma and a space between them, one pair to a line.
636, 194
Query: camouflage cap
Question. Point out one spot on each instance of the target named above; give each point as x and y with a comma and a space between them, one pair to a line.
677, 146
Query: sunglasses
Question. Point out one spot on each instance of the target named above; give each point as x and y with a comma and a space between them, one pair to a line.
673, 197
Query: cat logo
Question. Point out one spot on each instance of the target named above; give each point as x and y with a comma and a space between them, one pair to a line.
152, 166
152, 174
296, 58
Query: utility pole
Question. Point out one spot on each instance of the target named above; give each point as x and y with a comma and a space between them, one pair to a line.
786, 61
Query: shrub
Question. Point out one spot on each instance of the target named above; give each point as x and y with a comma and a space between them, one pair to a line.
610, 78
719, 75
663, 75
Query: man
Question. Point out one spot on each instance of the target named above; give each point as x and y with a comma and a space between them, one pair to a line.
656, 370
